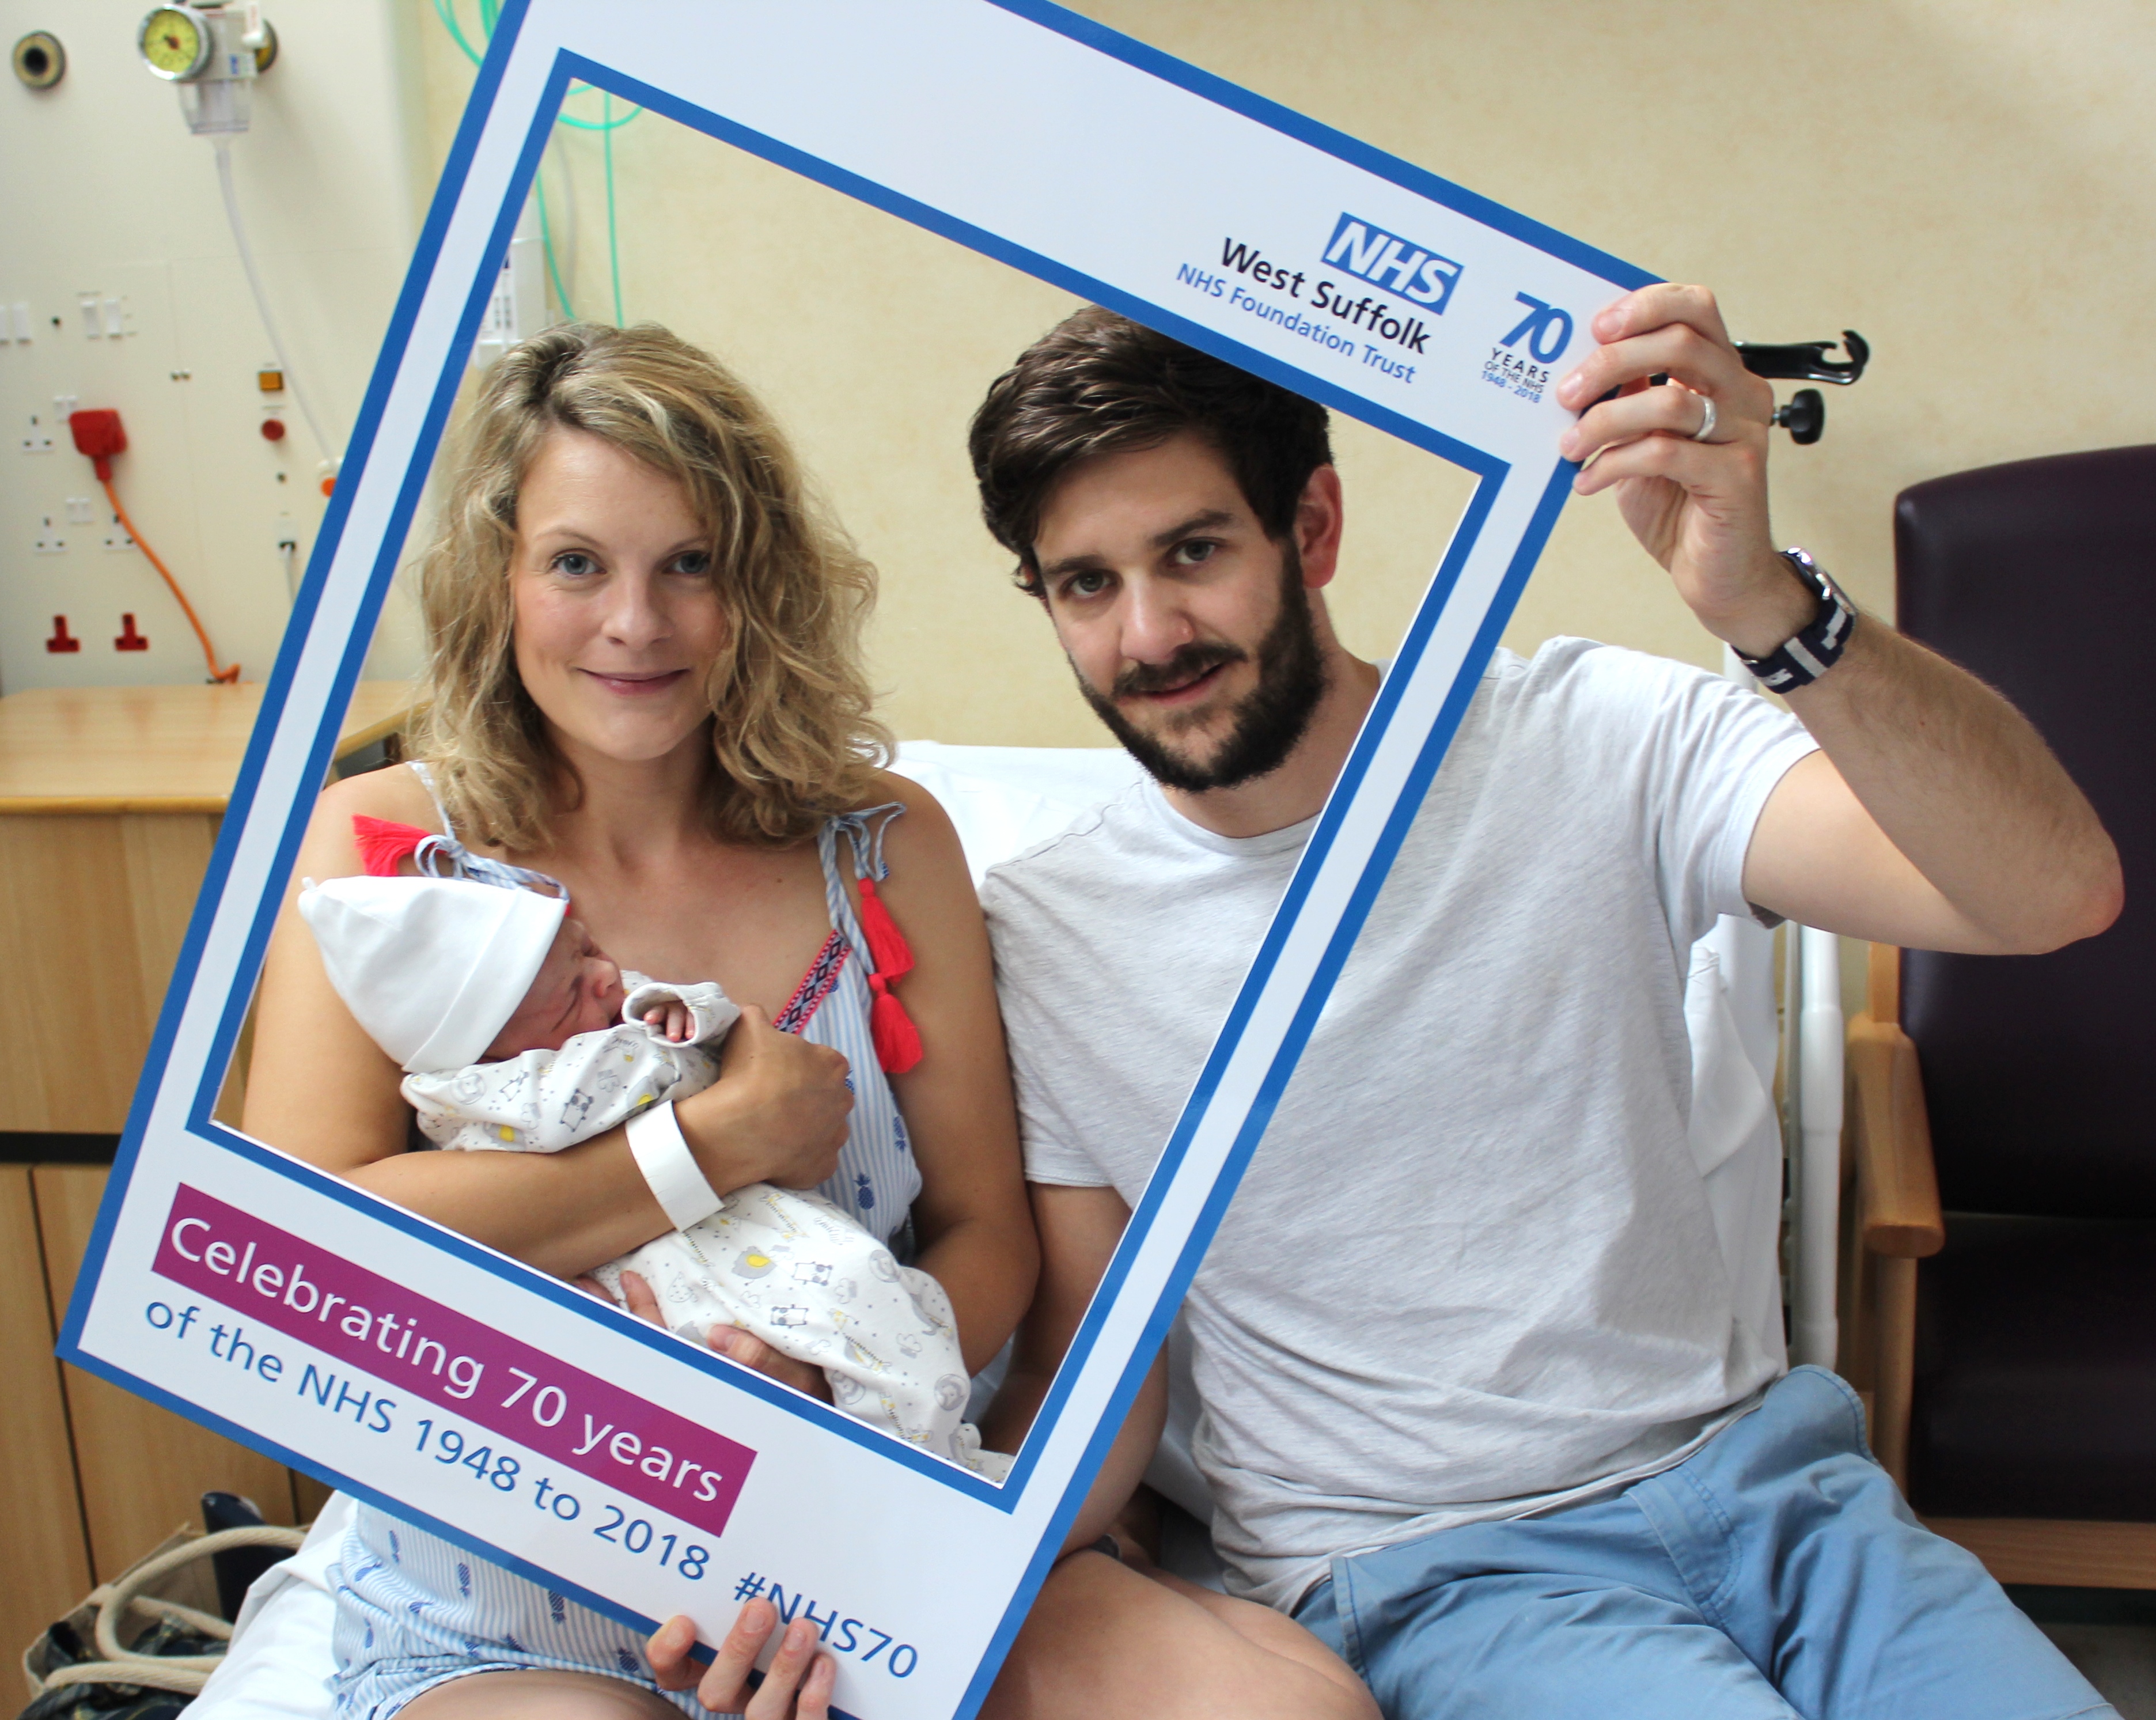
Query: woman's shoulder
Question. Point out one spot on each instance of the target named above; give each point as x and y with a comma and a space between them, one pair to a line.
921, 840
923, 827
394, 793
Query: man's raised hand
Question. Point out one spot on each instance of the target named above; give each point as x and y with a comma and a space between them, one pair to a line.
1698, 507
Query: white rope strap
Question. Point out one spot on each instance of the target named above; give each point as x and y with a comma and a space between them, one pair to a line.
112, 1599
150, 1671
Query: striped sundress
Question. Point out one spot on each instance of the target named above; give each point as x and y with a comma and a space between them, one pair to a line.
414, 1609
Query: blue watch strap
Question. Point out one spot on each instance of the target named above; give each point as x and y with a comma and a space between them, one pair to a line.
1799, 661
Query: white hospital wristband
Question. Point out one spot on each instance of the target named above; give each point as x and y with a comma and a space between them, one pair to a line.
675, 1178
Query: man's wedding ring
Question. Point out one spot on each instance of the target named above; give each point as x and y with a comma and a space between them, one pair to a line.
1705, 433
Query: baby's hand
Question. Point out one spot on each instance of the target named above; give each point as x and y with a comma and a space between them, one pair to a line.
676, 1019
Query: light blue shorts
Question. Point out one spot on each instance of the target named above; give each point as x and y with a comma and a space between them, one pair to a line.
1775, 1573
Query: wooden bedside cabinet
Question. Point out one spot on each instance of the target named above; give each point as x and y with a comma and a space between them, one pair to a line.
109, 803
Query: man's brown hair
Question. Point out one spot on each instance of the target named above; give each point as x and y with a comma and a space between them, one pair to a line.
1100, 383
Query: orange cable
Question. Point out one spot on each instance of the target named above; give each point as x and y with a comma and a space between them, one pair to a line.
227, 677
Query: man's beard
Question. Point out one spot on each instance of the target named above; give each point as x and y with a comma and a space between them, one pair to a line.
1270, 721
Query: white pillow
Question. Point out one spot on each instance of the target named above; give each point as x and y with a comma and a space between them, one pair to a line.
1007, 799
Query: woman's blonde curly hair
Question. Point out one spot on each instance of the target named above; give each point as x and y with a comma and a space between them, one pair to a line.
792, 736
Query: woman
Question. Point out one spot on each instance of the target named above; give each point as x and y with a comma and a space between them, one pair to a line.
644, 681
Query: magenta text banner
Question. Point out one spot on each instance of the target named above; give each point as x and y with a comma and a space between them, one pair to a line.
451, 1361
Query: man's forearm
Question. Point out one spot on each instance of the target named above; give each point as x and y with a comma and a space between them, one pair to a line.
1949, 825
1964, 787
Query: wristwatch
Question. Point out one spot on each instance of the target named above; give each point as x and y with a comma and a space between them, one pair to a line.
1799, 661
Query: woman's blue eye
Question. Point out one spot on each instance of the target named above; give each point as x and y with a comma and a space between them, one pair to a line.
695, 562
575, 563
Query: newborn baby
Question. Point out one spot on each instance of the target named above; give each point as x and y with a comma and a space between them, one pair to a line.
518, 1034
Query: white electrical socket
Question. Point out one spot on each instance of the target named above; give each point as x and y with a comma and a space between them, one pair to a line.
49, 540
39, 437
117, 537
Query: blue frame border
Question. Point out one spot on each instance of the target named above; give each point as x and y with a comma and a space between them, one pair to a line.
1490, 472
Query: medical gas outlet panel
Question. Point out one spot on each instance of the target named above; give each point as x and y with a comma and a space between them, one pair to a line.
206, 457
127, 312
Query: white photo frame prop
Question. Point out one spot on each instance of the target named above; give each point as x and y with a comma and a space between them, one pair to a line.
508, 1411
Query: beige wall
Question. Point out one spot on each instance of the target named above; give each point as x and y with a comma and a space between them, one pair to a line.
1966, 181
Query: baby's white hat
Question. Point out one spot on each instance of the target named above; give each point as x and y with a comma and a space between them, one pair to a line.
432, 967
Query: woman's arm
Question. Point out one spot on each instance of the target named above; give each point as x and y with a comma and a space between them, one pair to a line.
971, 1220
321, 1089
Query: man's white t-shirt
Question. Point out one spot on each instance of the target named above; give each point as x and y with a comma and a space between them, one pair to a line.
1471, 1271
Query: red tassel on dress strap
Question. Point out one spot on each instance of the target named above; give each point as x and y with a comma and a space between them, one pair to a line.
383, 845
897, 1040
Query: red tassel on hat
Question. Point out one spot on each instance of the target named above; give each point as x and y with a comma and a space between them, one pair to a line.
897, 1040
381, 844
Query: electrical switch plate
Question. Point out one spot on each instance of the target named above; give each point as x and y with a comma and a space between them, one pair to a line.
80, 511
18, 317
87, 303
39, 439
64, 406
115, 315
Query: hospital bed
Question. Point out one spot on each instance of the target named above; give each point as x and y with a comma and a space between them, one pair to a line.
1005, 799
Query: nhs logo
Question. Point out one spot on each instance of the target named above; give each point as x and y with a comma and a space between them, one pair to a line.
1400, 266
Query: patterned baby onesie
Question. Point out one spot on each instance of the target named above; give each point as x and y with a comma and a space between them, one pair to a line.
788, 1266
810, 1282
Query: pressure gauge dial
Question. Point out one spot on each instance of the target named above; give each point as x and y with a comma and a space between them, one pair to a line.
175, 43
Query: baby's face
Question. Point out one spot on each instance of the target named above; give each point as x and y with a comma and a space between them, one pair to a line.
578, 990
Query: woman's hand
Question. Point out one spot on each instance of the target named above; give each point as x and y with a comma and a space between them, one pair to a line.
732, 1342
797, 1688
778, 1112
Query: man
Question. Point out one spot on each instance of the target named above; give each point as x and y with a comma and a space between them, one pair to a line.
1477, 1407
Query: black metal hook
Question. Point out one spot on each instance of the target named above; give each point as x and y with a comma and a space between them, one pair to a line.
1806, 360
1805, 416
